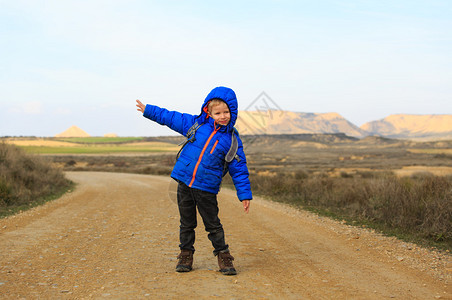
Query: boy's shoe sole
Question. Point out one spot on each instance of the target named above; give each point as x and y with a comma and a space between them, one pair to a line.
182, 269
230, 271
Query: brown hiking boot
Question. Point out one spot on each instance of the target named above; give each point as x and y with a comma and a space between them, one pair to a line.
185, 262
225, 263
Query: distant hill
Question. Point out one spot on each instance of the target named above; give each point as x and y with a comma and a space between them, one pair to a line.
73, 131
420, 127
400, 126
287, 122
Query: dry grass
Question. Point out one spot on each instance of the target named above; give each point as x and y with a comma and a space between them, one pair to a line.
26, 179
418, 207
39, 143
412, 170
432, 151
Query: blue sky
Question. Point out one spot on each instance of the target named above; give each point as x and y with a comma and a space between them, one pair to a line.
84, 63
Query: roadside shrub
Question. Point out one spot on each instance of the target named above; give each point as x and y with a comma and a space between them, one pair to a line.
26, 178
443, 156
154, 170
420, 205
345, 175
71, 163
5, 193
301, 175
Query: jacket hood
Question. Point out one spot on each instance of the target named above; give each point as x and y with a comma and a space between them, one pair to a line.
229, 97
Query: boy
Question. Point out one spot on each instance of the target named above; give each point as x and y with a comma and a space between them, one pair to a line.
200, 168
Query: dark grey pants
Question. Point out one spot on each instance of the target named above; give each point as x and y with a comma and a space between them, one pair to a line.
188, 199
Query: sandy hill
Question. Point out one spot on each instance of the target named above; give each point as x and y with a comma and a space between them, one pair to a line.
287, 122
73, 131
412, 126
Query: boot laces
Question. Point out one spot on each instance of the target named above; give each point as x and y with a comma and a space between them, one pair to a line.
227, 259
184, 258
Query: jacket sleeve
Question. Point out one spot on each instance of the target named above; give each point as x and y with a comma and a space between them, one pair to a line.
240, 175
177, 121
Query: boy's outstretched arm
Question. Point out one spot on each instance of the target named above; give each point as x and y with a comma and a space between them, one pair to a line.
179, 122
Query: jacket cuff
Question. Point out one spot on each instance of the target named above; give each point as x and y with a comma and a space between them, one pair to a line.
148, 111
245, 196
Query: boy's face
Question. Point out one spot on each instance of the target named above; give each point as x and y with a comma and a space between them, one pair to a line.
220, 113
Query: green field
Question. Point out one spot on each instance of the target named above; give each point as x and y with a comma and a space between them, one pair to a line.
100, 140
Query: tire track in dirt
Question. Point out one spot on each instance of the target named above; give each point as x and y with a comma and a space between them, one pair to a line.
116, 236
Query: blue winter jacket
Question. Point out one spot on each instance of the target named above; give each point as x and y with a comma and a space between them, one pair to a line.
201, 162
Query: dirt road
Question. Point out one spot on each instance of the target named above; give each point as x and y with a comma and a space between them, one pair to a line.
116, 236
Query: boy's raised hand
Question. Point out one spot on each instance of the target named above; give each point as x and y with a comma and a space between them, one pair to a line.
140, 106
246, 205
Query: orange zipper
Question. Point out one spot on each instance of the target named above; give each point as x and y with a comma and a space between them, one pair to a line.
214, 145
202, 153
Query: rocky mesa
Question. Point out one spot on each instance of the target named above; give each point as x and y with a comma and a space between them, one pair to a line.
405, 126
399, 126
287, 122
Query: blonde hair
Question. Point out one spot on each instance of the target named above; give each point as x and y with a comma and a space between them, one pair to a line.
213, 103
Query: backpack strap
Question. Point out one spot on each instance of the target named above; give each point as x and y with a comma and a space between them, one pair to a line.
232, 153
190, 137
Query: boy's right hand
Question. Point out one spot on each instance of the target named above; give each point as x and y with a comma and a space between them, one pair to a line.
140, 106
246, 205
